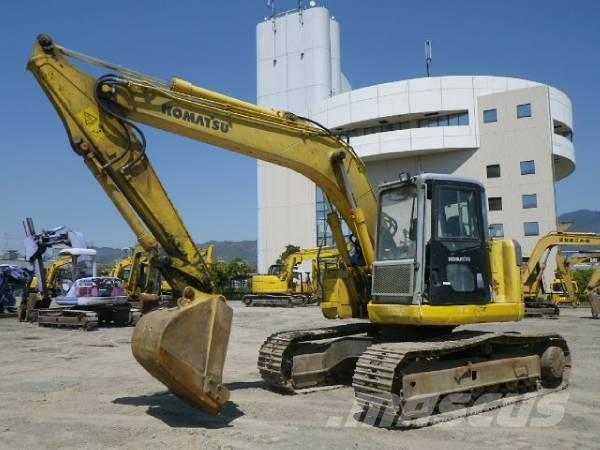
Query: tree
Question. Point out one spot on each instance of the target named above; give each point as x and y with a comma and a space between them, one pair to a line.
220, 271
238, 269
289, 249
226, 273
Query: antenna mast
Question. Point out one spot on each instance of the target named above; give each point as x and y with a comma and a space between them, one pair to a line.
271, 4
428, 57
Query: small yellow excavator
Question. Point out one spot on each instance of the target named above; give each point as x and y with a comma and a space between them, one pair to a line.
565, 289
53, 277
122, 267
421, 263
284, 285
143, 283
537, 300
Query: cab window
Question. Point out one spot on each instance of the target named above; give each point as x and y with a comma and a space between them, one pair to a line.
397, 233
457, 214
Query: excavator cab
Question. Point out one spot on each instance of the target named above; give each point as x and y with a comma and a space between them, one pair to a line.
432, 245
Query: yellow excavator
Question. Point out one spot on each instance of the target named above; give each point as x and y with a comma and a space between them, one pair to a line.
283, 285
143, 283
421, 262
53, 272
208, 254
122, 267
564, 289
537, 300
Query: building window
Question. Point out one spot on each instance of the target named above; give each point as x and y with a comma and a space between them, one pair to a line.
531, 228
383, 126
490, 115
566, 134
527, 167
529, 201
495, 203
524, 110
449, 120
496, 230
493, 171
324, 236
562, 129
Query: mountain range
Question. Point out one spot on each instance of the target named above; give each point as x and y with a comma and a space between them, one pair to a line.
582, 220
225, 250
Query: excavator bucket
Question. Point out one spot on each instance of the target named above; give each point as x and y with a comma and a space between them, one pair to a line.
185, 348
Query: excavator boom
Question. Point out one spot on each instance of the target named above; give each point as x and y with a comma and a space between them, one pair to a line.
97, 115
116, 158
533, 270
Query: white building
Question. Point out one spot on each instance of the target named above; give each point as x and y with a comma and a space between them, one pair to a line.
513, 135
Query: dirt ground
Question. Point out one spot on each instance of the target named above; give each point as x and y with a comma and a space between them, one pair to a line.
66, 388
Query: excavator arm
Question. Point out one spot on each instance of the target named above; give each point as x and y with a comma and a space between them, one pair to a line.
565, 265
532, 272
98, 114
290, 263
563, 273
54, 270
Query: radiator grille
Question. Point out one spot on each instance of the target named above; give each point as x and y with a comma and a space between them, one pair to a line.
393, 279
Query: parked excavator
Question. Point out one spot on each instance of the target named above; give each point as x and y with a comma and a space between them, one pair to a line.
421, 262
53, 284
565, 288
143, 282
537, 301
87, 300
122, 267
284, 286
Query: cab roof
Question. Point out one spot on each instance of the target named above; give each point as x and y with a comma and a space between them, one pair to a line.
424, 177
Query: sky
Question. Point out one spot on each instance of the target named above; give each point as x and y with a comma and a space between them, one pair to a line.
212, 44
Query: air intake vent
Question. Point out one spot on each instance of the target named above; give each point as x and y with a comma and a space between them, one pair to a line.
393, 279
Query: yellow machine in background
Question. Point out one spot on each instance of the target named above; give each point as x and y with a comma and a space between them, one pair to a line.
284, 285
564, 289
538, 302
143, 282
53, 275
208, 254
421, 262
122, 267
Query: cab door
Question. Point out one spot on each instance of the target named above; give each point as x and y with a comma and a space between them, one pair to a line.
458, 263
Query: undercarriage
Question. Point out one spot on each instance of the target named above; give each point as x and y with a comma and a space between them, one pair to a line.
85, 318
286, 301
543, 309
417, 379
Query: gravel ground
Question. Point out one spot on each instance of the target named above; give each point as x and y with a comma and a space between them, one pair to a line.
69, 388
